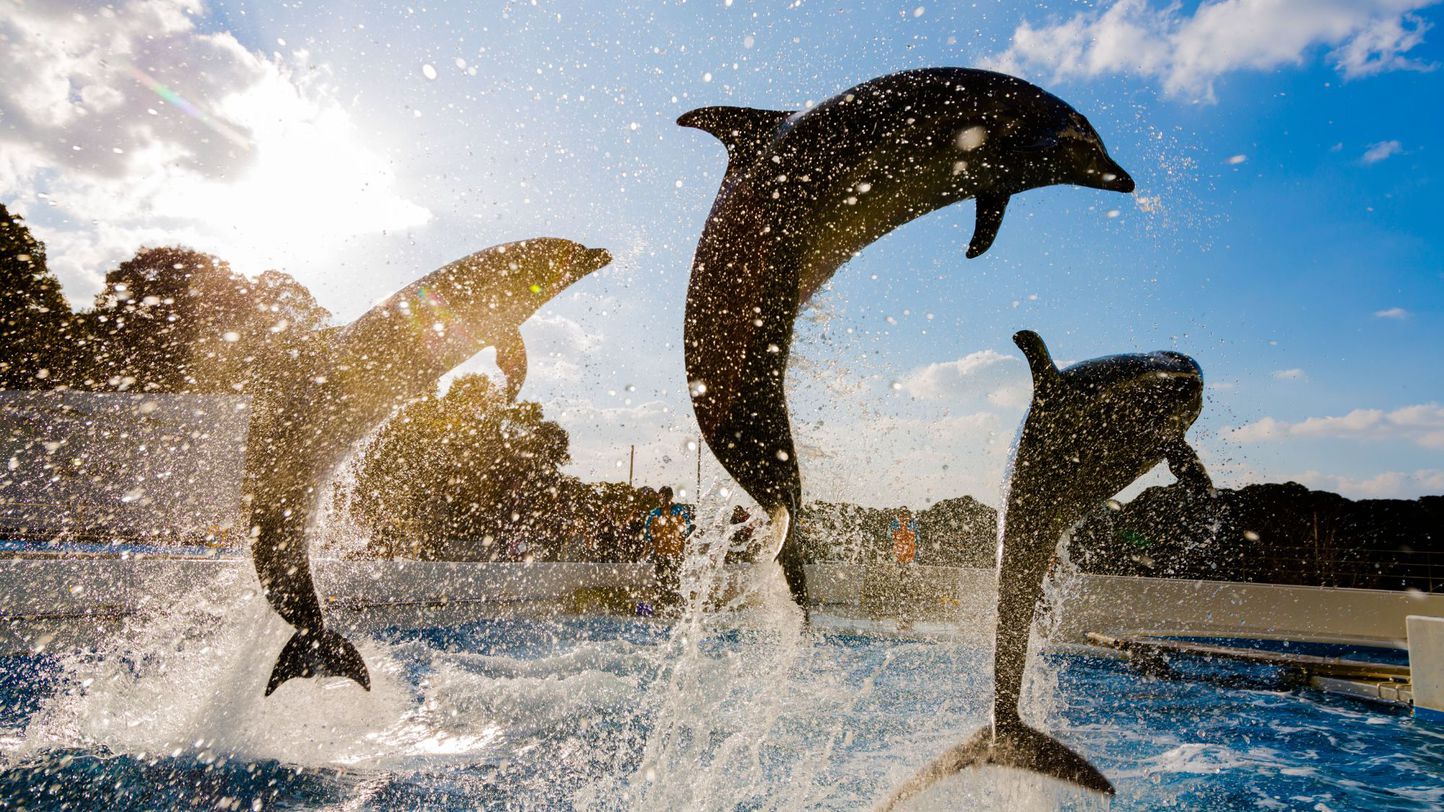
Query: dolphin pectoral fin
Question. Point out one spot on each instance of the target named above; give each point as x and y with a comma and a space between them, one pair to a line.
989, 220
511, 360
1184, 464
740, 129
1040, 361
1015, 746
319, 653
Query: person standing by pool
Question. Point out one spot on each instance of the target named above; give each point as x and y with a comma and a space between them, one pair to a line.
666, 532
905, 550
904, 537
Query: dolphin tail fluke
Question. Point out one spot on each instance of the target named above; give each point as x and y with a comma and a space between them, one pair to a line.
1016, 746
318, 653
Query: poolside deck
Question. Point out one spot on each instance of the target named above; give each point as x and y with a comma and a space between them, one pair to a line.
1357, 679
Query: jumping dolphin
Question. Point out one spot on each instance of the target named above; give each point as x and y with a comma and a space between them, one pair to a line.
322, 400
805, 191
1092, 429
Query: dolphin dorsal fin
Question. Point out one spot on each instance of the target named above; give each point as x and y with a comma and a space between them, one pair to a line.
742, 129
1040, 361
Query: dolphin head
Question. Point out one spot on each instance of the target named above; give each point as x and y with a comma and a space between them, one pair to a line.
924, 139
545, 266
1022, 137
1161, 392
1162, 388
1074, 153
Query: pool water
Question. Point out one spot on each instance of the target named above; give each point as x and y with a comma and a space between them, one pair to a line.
722, 711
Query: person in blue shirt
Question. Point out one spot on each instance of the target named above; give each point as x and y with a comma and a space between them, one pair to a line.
666, 531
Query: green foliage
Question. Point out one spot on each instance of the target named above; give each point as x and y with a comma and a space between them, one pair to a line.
35, 321
472, 476
172, 319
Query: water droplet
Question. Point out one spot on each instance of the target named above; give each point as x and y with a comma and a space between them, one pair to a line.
972, 138
428, 71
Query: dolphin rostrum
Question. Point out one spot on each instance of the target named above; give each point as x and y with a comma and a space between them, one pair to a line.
321, 401
805, 191
1091, 430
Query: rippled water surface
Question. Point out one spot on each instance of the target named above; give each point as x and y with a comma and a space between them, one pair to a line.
733, 711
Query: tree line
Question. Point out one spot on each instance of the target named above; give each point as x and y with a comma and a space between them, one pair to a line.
1277, 533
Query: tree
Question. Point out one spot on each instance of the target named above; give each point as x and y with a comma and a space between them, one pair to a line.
35, 321
468, 468
172, 319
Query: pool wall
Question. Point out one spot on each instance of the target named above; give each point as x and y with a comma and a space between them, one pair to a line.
1426, 664
73, 600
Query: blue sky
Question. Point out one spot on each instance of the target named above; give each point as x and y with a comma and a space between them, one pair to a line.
1284, 231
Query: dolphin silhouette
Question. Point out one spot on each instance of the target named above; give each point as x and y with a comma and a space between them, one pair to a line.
805, 191
321, 401
1091, 430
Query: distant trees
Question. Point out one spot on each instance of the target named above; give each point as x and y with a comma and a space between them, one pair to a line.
35, 321
1282, 533
171, 319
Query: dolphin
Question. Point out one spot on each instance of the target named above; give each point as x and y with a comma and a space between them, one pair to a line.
805, 191
1091, 430
321, 399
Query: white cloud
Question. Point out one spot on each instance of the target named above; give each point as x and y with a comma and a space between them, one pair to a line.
1392, 313
1387, 485
1421, 424
951, 379
130, 125
1187, 52
1294, 374
1012, 396
1383, 149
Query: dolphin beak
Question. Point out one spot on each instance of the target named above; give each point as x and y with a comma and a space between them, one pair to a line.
598, 257
1112, 178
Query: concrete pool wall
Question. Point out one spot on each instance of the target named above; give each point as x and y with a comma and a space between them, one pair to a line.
80, 598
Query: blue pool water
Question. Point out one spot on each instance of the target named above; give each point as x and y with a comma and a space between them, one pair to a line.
609, 713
